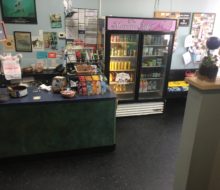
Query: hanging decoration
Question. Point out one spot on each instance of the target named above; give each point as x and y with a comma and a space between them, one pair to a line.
68, 8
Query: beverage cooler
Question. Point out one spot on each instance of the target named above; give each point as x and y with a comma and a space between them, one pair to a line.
137, 61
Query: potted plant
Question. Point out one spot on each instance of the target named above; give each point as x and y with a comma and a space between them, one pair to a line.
208, 69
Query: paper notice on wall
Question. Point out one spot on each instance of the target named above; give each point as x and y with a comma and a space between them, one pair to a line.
11, 67
187, 58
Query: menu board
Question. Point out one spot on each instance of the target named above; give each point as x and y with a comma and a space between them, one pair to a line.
182, 17
82, 26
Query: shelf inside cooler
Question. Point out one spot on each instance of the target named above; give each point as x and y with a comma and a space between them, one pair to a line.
122, 56
126, 92
151, 45
147, 67
124, 42
150, 91
113, 83
120, 70
150, 98
146, 56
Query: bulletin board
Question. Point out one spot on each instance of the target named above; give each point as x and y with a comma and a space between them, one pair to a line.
83, 26
201, 29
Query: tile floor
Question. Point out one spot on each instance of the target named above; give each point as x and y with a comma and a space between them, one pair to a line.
144, 159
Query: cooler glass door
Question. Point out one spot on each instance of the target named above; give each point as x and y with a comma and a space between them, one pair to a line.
153, 66
123, 65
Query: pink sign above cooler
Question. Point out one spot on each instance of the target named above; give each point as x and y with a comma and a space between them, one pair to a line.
140, 24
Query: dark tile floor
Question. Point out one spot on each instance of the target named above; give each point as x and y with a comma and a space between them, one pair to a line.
144, 159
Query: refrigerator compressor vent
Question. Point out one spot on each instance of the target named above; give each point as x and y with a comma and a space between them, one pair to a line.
137, 109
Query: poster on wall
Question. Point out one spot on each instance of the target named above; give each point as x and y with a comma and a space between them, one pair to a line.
201, 30
19, 11
9, 43
50, 40
37, 43
55, 21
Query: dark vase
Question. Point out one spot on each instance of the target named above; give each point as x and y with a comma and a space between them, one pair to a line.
208, 71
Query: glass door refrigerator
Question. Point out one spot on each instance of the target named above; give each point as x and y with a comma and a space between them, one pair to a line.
122, 66
138, 57
155, 63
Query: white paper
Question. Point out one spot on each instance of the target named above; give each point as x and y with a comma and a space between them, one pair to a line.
188, 41
71, 33
37, 43
187, 58
81, 16
90, 40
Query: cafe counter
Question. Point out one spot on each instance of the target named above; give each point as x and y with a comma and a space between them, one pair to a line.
44, 122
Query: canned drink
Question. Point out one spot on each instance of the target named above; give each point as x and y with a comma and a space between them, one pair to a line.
129, 65
113, 65
110, 66
122, 65
125, 65
116, 66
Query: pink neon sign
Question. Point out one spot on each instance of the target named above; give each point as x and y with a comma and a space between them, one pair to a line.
139, 24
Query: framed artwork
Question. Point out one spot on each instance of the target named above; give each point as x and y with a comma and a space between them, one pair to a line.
19, 11
2, 31
23, 41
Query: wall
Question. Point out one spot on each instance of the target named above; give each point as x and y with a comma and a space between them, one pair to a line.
143, 8
44, 8
137, 8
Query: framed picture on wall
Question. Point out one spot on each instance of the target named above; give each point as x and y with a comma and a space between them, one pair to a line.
23, 41
19, 11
